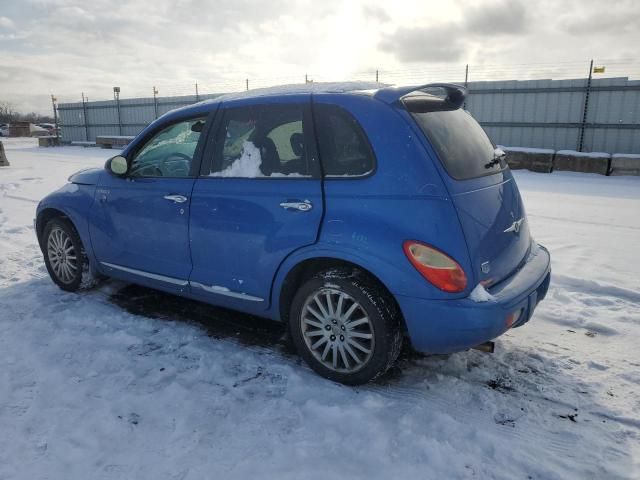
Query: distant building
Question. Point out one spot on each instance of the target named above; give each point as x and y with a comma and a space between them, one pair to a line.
26, 129
20, 129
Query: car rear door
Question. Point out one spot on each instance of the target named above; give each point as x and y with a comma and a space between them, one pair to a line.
258, 198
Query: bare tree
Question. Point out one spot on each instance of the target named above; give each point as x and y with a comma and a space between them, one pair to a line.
30, 117
7, 113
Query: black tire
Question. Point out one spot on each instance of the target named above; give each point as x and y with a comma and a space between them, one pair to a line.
383, 325
79, 277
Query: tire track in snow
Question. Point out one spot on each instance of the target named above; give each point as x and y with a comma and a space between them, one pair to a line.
583, 222
596, 289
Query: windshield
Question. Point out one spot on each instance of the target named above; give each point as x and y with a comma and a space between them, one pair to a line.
461, 144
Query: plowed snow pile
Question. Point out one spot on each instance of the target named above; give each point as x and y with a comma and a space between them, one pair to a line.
107, 385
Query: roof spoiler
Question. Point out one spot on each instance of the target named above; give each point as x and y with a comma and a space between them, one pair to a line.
454, 94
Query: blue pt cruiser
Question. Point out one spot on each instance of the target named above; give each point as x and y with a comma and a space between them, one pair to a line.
360, 217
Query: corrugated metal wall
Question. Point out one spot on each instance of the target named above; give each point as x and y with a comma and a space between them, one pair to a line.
533, 113
549, 113
84, 122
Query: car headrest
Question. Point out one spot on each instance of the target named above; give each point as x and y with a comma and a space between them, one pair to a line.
297, 144
270, 160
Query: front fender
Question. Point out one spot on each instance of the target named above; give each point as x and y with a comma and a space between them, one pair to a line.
87, 176
75, 202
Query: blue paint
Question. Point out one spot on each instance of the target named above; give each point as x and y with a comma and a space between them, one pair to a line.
232, 237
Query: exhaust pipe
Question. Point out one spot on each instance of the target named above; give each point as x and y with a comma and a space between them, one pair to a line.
487, 347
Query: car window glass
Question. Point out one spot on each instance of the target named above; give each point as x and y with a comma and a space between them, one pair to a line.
282, 136
263, 141
462, 145
344, 148
169, 153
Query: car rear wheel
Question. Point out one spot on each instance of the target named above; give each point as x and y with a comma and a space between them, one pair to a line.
345, 326
64, 255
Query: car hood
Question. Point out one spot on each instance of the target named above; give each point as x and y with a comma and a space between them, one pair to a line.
88, 176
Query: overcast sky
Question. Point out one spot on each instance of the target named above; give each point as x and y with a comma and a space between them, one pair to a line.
71, 46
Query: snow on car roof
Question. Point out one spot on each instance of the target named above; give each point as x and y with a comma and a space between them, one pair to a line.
313, 87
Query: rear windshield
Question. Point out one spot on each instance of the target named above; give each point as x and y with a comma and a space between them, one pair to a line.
460, 142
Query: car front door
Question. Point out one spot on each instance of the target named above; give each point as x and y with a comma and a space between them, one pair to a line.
259, 198
140, 221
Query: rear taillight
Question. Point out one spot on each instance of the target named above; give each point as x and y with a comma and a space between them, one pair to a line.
512, 318
437, 267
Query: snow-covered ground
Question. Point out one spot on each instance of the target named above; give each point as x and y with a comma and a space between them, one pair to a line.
122, 382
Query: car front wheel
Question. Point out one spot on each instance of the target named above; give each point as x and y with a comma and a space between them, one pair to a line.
64, 254
345, 326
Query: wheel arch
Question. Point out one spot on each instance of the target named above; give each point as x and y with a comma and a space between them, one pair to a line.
304, 268
44, 216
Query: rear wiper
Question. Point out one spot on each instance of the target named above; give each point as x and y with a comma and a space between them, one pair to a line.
498, 156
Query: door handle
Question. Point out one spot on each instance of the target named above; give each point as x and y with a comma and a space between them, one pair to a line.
304, 206
176, 198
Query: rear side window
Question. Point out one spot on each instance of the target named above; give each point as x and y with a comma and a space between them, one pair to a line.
264, 141
460, 142
344, 148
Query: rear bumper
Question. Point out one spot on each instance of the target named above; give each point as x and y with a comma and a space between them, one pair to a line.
445, 326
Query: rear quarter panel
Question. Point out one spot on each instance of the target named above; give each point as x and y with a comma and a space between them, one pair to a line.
404, 199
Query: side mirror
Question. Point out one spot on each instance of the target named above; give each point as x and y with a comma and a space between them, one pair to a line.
117, 165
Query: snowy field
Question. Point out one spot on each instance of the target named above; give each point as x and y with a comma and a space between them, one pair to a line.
122, 382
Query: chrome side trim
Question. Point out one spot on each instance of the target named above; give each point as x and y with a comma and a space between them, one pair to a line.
228, 293
154, 276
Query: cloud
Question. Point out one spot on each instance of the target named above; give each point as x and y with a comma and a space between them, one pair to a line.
435, 44
604, 19
6, 23
376, 13
447, 42
67, 47
503, 17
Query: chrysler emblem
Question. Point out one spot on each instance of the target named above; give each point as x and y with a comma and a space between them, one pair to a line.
515, 226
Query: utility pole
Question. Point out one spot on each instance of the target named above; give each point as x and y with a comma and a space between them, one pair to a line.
55, 113
197, 95
585, 110
466, 82
247, 84
155, 101
377, 76
116, 97
86, 121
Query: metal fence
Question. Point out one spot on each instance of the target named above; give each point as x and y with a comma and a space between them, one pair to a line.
582, 114
600, 115
84, 121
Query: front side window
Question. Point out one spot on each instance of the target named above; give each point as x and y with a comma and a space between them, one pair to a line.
170, 152
344, 149
263, 141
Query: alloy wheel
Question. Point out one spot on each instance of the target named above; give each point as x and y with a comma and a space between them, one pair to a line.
337, 330
62, 255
